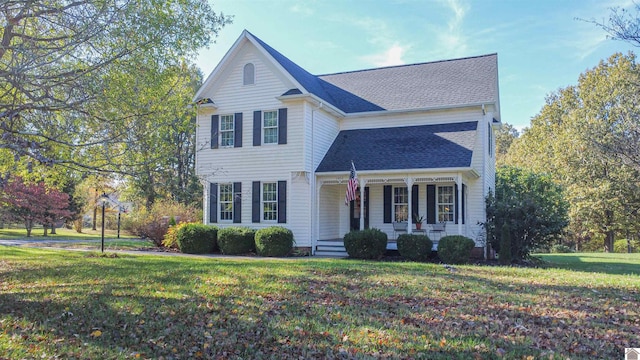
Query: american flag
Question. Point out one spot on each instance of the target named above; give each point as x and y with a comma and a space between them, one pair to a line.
352, 185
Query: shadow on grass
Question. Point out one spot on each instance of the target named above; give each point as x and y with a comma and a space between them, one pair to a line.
55, 302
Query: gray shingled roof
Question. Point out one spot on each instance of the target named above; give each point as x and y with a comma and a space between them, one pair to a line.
410, 147
456, 82
471, 80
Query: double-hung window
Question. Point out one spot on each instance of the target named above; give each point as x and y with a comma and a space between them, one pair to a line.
445, 203
270, 127
226, 202
270, 201
226, 130
400, 203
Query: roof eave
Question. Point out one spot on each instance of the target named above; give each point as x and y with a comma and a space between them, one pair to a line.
425, 109
469, 170
315, 100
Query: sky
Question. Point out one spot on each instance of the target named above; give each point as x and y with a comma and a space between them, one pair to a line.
542, 46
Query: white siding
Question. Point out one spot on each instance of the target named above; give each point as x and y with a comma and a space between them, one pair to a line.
329, 217
412, 119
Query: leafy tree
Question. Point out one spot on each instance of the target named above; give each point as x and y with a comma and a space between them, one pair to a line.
531, 204
55, 58
571, 139
505, 135
33, 203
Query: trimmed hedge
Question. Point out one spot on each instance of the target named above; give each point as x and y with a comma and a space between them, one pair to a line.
274, 241
455, 249
415, 247
236, 240
196, 238
366, 244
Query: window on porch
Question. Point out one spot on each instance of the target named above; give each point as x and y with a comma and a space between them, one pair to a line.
400, 203
445, 203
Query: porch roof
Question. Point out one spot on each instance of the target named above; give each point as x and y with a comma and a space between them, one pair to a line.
410, 147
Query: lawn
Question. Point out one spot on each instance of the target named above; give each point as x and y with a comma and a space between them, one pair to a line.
62, 234
70, 239
62, 304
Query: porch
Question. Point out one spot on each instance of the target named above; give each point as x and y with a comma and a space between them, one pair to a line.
335, 247
381, 201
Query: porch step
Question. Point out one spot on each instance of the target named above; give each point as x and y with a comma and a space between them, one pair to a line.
331, 248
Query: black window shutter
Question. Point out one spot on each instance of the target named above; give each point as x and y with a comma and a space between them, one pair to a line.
257, 128
237, 129
431, 204
282, 126
464, 190
414, 203
386, 191
214, 131
455, 205
255, 202
366, 207
237, 202
213, 202
282, 202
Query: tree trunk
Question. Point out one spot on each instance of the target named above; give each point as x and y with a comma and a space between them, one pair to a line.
28, 225
44, 227
610, 233
95, 211
53, 229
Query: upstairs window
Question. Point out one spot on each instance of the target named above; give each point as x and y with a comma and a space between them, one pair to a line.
270, 127
249, 74
226, 130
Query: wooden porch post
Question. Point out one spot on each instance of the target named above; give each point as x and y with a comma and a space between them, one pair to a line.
409, 182
363, 183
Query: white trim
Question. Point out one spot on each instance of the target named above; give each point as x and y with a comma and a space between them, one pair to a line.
233, 51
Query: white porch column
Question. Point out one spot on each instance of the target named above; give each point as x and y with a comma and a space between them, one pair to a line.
363, 183
316, 220
459, 203
409, 182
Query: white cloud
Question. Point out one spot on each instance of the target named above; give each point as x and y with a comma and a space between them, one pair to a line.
392, 56
452, 41
301, 9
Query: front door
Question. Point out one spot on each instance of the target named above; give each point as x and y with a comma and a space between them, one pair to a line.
354, 212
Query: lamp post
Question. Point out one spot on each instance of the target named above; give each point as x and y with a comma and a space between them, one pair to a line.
103, 199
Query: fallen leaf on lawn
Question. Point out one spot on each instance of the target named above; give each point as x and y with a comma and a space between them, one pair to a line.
96, 333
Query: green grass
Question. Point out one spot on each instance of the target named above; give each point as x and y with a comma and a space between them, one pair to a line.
609, 263
62, 233
62, 304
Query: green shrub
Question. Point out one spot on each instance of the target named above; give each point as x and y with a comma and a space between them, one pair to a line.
171, 237
505, 246
620, 246
414, 247
561, 249
196, 238
274, 241
455, 249
236, 240
366, 244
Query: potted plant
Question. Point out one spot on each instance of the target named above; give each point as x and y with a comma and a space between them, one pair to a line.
418, 219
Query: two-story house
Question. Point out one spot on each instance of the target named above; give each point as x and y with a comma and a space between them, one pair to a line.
276, 144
